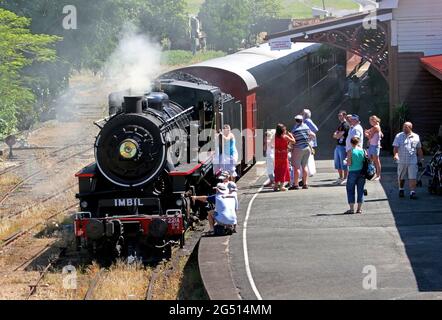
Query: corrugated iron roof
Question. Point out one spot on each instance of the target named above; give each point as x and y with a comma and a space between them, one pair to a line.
433, 64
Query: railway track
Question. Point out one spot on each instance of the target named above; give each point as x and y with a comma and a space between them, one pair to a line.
94, 284
28, 178
45, 200
22, 163
173, 264
52, 262
11, 239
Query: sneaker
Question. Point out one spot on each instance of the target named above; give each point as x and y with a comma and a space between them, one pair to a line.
343, 182
401, 193
338, 181
413, 196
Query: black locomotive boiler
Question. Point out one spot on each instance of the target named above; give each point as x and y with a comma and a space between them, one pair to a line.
135, 195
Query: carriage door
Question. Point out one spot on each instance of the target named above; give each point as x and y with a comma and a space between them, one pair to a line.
250, 127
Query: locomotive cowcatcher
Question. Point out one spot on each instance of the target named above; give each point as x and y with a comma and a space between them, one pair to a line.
135, 197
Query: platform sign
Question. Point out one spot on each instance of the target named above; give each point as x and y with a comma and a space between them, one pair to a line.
280, 44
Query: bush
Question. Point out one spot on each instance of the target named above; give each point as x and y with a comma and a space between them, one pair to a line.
182, 57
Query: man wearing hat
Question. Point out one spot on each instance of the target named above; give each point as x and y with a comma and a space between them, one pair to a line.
301, 151
225, 207
356, 130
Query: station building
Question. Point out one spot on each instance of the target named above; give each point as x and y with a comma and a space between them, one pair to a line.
402, 39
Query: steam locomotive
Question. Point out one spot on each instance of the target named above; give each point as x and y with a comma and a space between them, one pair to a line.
151, 152
135, 196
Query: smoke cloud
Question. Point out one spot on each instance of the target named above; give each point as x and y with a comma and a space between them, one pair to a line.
134, 63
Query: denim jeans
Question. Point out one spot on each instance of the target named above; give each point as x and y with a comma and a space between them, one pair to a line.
355, 180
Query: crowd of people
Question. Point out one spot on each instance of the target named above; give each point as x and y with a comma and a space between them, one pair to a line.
290, 163
290, 155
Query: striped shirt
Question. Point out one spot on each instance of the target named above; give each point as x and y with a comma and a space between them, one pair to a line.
301, 134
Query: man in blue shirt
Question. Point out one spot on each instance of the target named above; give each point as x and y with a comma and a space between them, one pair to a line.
301, 151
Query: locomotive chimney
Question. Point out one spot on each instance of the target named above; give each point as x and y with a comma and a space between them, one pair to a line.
133, 104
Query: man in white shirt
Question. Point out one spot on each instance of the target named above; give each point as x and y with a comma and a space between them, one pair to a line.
356, 130
226, 205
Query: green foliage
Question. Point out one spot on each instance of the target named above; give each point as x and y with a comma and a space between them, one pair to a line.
19, 49
229, 23
182, 57
400, 116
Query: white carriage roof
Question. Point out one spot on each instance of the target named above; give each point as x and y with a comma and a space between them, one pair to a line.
242, 62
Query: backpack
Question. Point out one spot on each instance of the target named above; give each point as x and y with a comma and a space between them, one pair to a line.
368, 168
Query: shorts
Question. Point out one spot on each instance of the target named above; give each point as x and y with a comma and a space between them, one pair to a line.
221, 219
300, 157
340, 155
374, 150
407, 170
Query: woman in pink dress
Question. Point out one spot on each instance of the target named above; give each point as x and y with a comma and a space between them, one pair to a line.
282, 173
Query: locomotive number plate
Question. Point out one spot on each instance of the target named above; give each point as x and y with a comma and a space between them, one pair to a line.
130, 202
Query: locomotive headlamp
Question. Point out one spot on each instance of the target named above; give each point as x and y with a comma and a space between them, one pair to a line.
128, 149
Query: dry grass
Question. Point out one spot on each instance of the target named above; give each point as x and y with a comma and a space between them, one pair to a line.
123, 282
7, 181
36, 214
168, 284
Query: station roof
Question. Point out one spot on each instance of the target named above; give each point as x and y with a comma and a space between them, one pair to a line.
433, 64
242, 63
332, 24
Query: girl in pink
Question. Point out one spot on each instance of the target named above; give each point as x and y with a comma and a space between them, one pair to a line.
375, 135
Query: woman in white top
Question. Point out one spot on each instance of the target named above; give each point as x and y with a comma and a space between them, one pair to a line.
270, 157
375, 135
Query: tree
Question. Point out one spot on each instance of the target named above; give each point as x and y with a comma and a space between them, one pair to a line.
19, 48
228, 23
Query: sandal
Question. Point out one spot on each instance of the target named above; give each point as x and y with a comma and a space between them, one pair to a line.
349, 212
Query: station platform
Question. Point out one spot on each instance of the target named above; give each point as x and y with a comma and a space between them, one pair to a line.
299, 244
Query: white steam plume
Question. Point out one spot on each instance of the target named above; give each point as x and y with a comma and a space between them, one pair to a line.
134, 64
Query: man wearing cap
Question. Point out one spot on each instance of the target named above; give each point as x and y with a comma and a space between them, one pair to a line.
225, 207
301, 151
407, 148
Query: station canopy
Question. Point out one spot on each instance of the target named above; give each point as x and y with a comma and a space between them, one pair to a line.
366, 34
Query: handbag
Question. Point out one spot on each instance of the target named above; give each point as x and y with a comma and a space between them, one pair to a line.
368, 168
